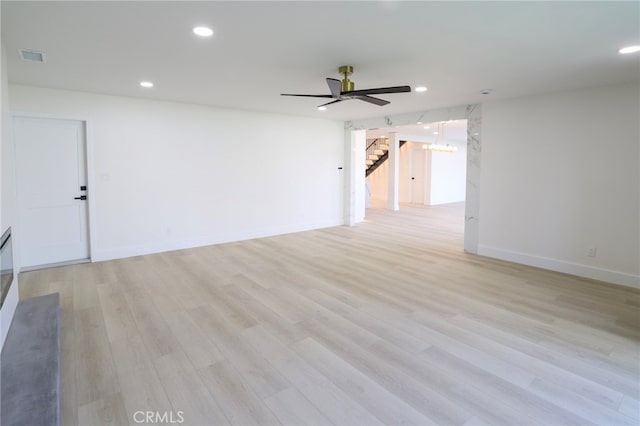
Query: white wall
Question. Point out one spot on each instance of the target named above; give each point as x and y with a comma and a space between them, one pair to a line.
379, 180
559, 175
169, 175
448, 177
7, 198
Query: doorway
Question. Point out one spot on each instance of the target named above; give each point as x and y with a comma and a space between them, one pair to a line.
432, 164
51, 184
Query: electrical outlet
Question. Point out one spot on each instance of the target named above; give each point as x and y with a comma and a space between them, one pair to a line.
592, 251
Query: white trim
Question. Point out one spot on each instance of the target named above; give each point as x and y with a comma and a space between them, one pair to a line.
46, 115
162, 247
91, 185
600, 274
55, 265
88, 152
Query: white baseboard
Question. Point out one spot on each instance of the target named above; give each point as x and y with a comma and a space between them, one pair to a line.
580, 270
100, 255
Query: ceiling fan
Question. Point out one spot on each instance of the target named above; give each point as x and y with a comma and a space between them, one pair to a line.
344, 90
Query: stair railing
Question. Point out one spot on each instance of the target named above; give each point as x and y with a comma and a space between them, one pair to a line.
377, 153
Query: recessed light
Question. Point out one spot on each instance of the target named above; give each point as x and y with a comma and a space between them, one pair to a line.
203, 31
322, 108
419, 122
426, 127
435, 133
146, 84
629, 49
421, 89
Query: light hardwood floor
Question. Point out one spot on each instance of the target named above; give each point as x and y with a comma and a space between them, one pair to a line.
388, 322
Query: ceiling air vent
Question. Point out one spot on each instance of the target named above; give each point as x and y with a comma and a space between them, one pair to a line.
32, 55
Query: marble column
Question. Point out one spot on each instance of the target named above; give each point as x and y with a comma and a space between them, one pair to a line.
394, 172
472, 204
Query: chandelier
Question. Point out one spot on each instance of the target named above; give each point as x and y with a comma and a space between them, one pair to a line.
438, 146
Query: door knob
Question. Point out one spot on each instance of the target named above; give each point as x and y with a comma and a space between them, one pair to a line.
82, 197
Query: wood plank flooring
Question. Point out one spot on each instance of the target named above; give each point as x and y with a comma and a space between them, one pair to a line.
388, 322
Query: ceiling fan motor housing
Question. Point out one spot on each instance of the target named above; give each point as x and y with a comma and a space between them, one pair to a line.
347, 85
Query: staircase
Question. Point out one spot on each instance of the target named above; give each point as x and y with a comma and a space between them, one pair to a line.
377, 153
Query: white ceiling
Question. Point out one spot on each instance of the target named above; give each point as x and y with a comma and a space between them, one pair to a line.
453, 132
262, 49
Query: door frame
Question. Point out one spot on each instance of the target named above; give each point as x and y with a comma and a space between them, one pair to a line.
470, 112
89, 155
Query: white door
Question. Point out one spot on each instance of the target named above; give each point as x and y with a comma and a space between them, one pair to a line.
50, 176
417, 175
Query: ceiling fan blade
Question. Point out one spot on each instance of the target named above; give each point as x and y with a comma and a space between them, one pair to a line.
307, 96
329, 103
335, 86
379, 91
371, 99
